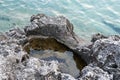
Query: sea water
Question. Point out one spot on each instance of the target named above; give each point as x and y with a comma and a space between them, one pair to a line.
88, 16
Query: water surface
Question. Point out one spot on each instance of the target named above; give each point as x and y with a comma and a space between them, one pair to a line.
88, 16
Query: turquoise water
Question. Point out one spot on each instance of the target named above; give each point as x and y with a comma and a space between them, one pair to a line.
88, 16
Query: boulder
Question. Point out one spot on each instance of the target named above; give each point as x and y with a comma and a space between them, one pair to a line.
58, 28
97, 36
16, 64
18, 35
106, 54
94, 73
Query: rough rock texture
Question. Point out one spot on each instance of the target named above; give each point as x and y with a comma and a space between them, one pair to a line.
2, 37
106, 54
18, 35
58, 28
13, 67
44, 43
94, 73
15, 64
97, 36
102, 56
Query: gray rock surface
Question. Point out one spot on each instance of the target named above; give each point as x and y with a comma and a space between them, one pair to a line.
58, 28
18, 35
106, 54
2, 37
15, 64
94, 73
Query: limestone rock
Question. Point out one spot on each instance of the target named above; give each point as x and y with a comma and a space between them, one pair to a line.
97, 37
15, 64
102, 55
58, 28
94, 73
106, 54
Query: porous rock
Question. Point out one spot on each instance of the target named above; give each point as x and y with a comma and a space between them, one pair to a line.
106, 55
15, 64
94, 73
58, 28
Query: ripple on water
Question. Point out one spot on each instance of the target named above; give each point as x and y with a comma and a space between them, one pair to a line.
86, 15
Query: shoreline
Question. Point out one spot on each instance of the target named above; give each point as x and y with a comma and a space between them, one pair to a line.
101, 56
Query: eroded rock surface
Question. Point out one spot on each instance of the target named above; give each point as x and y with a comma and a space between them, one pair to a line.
15, 64
94, 73
58, 28
106, 54
102, 55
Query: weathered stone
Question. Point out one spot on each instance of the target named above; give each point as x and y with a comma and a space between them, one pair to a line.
97, 37
106, 54
44, 43
94, 73
18, 65
2, 37
58, 28
56, 33
50, 49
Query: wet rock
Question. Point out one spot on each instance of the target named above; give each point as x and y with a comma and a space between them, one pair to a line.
16, 33
94, 73
34, 69
21, 65
50, 49
56, 33
44, 43
58, 28
18, 65
67, 63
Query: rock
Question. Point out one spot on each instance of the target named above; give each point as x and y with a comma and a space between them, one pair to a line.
2, 36
56, 33
15, 64
18, 65
68, 62
30, 69
97, 37
106, 54
18, 35
58, 28
94, 73
44, 43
